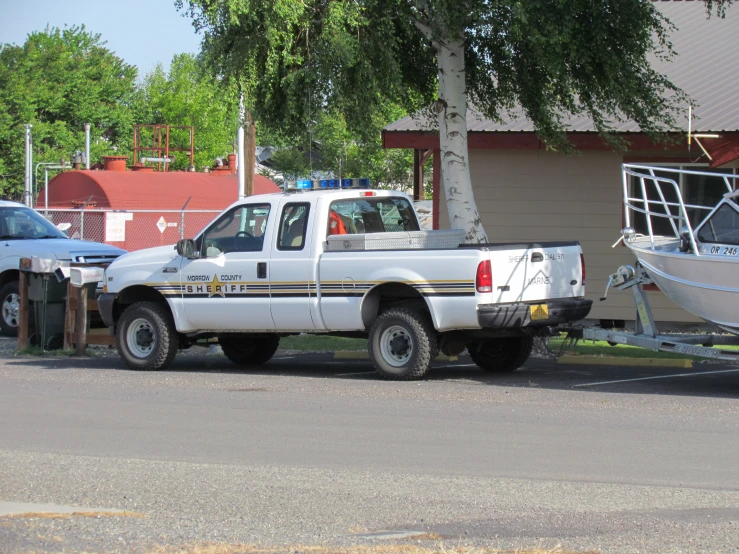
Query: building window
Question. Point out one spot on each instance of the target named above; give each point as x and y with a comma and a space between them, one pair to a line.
696, 190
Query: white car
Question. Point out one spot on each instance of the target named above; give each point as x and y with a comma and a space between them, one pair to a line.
25, 233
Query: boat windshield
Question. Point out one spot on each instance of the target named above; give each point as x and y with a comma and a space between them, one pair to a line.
722, 227
19, 222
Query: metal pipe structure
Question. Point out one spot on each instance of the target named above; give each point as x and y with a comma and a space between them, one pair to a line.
87, 146
49, 165
27, 194
46, 181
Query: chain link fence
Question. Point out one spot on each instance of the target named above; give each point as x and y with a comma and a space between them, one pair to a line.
131, 229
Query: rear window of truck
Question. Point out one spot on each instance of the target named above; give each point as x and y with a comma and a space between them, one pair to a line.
371, 215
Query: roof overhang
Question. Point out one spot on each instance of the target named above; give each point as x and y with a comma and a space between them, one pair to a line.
523, 140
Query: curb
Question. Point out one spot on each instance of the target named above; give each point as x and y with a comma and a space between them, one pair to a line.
617, 361
361, 355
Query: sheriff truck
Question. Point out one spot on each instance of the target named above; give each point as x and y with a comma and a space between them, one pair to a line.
345, 262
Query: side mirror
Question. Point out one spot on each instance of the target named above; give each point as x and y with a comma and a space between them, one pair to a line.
186, 248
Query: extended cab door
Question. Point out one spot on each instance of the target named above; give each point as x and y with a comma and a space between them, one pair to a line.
291, 267
227, 288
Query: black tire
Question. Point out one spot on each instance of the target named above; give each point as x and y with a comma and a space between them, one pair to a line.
248, 351
501, 354
9, 297
146, 336
402, 344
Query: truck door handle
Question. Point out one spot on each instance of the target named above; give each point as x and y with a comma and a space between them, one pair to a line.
261, 270
537, 257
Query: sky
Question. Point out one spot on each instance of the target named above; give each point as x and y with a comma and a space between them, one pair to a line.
141, 32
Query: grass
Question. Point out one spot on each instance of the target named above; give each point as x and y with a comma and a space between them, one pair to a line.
322, 343
602, 348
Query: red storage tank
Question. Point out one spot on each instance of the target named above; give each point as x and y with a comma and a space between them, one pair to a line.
117, 197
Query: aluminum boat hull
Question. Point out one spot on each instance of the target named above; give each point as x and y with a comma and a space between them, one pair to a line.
705, 285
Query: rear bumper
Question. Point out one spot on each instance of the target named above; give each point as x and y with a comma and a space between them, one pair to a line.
105, 307
497, 316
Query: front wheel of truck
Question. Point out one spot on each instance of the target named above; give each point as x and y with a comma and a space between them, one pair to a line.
402, 344
501, 354
146, 336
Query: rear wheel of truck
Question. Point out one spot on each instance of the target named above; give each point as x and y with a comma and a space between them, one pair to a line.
146, 336
402, 344
249, 351
501, 354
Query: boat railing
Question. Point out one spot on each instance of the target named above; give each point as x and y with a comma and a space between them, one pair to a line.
680, 221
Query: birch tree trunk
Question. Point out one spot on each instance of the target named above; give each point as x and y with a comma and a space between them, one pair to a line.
455, 168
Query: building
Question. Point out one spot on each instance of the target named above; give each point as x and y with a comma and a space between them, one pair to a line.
525, 193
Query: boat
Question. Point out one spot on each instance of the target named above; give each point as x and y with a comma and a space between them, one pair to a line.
689, 250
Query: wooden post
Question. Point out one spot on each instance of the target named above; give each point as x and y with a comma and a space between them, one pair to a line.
69, 317
250, 146
22, 310
81, 322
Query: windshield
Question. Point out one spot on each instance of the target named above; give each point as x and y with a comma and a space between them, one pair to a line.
18, 222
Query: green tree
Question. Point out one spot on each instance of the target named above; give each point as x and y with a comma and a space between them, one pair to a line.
328, 146
187, 95
552, 58
57, 81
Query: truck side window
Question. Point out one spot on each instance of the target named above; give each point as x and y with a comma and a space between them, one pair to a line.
241, 229
293, 226
371, 215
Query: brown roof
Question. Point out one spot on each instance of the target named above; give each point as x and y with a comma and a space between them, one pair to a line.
705, 67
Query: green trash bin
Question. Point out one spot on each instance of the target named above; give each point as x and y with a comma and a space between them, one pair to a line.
48, 300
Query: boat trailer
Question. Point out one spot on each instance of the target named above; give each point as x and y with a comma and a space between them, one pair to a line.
645, 335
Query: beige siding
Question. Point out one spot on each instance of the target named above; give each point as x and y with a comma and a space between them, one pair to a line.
525, 195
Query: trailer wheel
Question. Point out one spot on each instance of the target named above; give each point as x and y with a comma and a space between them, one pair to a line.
402, 343
501, 354
146, 336
249, 351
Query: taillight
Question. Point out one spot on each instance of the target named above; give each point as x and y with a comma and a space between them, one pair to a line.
484, 279
582, 268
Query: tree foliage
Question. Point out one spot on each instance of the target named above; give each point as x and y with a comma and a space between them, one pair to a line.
328, 147
57, 81
551, 58
186, 95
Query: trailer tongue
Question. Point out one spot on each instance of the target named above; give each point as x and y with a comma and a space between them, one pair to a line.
645, 335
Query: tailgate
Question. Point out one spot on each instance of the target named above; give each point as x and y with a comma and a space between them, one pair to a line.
537, 271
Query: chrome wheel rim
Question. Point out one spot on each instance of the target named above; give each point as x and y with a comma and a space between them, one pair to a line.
11, 306
140, 337
396, 346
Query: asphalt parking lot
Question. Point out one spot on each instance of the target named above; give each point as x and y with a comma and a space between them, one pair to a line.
313, 449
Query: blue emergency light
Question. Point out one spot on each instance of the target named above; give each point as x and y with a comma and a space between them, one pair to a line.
327, 184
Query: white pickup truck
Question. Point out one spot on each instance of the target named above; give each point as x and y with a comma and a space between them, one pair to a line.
341, 262
25, 233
